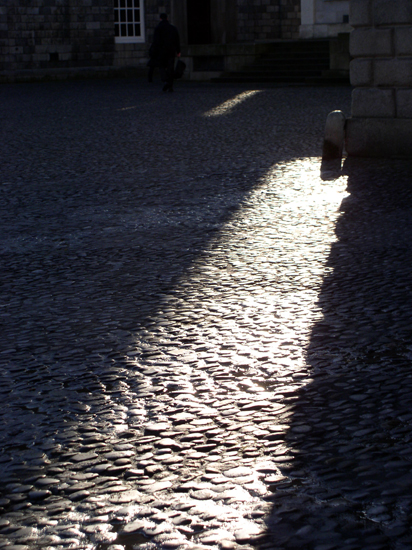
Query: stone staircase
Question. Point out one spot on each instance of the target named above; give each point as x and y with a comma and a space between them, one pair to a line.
298, 62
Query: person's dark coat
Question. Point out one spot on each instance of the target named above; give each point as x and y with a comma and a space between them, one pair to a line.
166, 44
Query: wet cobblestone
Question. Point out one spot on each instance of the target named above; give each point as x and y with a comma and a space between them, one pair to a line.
204, 344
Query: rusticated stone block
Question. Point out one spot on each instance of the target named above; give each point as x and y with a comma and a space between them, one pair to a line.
373, 102
361, 72
392, 12
403, 40
392, 72
360, 14
379, 137
404, 103
371, 42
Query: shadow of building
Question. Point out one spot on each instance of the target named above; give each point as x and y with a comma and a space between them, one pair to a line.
350, 440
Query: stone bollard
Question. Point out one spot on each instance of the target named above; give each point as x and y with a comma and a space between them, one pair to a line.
334, 136
333, 145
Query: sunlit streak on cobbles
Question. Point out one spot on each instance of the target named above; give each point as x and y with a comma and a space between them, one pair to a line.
192, 426
199, 339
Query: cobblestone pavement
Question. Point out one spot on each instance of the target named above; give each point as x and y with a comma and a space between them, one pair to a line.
203, 343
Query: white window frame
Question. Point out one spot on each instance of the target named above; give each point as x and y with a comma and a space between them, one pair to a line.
134, 39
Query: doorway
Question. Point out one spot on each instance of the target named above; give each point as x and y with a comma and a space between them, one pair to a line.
199, 22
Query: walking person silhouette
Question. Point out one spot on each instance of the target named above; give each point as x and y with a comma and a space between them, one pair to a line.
163, 51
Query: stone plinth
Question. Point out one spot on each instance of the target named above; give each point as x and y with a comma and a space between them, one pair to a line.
381, 72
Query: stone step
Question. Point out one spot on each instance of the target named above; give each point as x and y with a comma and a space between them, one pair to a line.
301, 50
273, 74
287, 67
291, 80
292, 56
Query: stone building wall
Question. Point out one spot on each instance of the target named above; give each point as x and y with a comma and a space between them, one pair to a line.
268, 19
290, 19
37, 35
135, 54
381, 71
61, 34
53, 35
323, 19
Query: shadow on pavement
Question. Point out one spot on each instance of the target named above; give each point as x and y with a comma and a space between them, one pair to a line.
110, 190
349, 470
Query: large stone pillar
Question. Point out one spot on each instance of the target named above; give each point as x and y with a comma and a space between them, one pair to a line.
323, 19
307, 10
381, 72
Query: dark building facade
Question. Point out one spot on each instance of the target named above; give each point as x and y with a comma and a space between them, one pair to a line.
56, 36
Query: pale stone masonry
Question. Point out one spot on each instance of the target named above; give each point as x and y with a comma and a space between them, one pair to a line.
324, 18
381, 72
